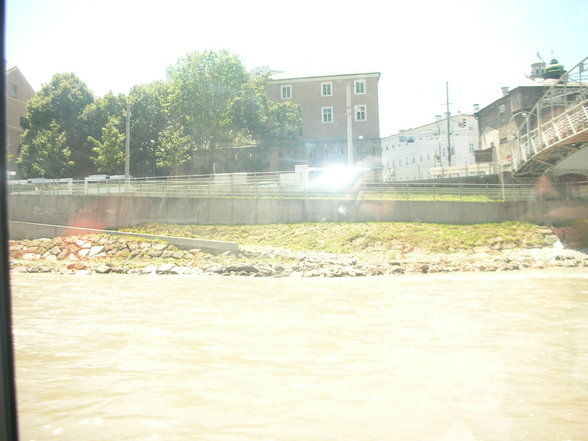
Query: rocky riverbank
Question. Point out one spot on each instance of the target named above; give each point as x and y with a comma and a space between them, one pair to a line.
101, 254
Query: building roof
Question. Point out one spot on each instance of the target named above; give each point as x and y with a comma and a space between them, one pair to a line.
14, 70
299, 75
443, 120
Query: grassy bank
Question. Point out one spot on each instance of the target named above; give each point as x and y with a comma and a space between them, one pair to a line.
369, 237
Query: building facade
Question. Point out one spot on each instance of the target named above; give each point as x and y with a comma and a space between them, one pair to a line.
324, 104
18, 93
499, 121
421, 153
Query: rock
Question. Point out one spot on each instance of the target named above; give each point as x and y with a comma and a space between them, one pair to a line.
165, 268
214, 269
151, 269
154, 253
160, 246
132, 245
103, 269
95, 250
242, 267
55, 250
178, 255
63, 254
179, 270
83, 252
77, 266
30, 256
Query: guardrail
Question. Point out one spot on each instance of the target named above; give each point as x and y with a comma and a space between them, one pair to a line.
274, 185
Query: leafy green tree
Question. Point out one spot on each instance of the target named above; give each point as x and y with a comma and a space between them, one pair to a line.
96, 115
266, 122
283, 126
61, 101
204, 85
149, 118
47, 154
110, 151
174, 149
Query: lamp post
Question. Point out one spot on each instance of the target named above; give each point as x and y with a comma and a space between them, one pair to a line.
524, 114
128, 145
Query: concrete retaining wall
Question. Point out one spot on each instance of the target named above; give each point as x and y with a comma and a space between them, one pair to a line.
124, 211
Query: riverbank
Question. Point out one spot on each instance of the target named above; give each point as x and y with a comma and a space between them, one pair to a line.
526, 247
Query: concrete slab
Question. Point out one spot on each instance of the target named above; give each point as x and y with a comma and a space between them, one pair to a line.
32, 230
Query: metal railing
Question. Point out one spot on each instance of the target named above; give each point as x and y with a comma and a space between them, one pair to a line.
558, 119
284, 185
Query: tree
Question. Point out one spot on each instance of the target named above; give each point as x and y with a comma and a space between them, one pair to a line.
96, 115
204, 85
110, 154
266, 122
174, 149
61, 101
149, 118
47, 154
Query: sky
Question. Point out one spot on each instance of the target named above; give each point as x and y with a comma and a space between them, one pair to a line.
476, 46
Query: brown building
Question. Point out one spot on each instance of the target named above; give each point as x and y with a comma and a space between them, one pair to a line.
499, 121
18, 92
323, 100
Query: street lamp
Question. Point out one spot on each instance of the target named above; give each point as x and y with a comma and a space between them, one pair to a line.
525, 114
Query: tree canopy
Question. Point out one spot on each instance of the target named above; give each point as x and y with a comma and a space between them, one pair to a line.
209, 101
57, 107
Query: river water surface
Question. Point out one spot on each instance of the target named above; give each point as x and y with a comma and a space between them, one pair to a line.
452, 357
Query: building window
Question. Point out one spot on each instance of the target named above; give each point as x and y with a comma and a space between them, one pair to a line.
361, 113
14, 91
471, 147
327, 89
286, 92
359, 87
501, 108
327, 114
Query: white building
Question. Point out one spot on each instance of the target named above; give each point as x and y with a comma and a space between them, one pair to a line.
421, 153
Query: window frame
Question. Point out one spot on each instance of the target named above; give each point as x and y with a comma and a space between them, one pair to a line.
283, 88
362, 88
357, 111
330, 86
327, 110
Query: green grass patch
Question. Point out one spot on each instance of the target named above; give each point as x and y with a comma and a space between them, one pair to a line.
368, 237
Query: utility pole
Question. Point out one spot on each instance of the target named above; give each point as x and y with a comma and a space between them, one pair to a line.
349, 128
448, 125
128, 145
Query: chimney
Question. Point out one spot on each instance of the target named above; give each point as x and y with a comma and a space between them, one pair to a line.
504, 90
476, 107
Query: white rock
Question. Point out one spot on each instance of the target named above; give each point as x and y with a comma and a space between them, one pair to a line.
96, 250
165, 268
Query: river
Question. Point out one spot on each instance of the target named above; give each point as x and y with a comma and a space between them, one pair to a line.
444, 357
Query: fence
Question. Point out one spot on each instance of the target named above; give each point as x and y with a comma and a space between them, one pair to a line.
285, 185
